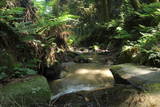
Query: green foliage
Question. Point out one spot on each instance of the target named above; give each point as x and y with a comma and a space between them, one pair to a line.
146, 48
45, 7
111, 24
3, 75
20, 72
63, 19
144, 25
154, 57
2, 3
72, 39
26, 28
40, 34
126, 9
55, 18
150, 9
147, 40
32, 63
150, 12
122, 34
11, 14
16, 71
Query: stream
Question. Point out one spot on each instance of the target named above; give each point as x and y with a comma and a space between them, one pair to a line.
92, 85
83, 77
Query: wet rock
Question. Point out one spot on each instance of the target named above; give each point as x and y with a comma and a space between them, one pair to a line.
81, 59
146, 83
27, 92
63, 74
53, 72
70, 56
66, 65
92, 85
109, 62
117, 96
142, 77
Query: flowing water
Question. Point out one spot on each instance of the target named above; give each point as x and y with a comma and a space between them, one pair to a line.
83, 76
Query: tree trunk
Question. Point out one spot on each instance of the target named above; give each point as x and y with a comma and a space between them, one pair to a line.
103, 9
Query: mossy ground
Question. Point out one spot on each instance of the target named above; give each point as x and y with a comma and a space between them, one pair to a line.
28, 91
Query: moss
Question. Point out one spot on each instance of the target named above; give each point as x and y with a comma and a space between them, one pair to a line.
115, 67
153, 88
118, 68
28, 91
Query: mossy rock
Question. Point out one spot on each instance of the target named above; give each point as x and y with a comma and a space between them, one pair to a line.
32, 90
82, 59
141, 77
117, 96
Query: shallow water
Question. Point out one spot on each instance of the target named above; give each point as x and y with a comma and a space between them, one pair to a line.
80, 77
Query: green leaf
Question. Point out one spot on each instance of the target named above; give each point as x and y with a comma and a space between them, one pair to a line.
26, 71
3, 75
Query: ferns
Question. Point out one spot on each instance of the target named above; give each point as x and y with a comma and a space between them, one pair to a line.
45, 23
145, 48
151, 8
11, 14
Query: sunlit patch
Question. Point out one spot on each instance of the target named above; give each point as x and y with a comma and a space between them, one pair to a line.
139, 71
83, 76
104, 72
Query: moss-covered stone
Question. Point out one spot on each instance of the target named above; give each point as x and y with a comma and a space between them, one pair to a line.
117, 96
29, 91
142, 77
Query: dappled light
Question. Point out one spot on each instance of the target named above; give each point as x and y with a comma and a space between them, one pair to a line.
82, 77
80, 53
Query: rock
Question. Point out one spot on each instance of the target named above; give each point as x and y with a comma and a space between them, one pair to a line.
109, 62
53, 72
27, 92
65, 68
72, 90
66, 65
117, 96
142, 77
63, 74
81, 59
72, 54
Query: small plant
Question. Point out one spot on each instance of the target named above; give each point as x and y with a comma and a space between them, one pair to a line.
154, 57
20, 72
11, 14
122, 34
3, 75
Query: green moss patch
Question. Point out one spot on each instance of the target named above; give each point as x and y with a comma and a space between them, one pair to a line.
29, 91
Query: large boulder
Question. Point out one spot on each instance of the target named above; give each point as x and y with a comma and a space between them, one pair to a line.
146, 80
141, 77
117, 96
30, 91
